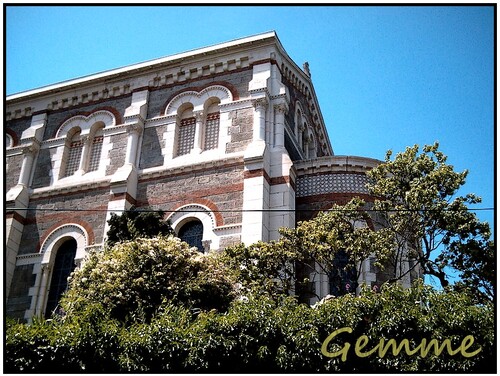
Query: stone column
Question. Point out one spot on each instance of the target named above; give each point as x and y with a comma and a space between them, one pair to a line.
198, 134
86, 145
29, 153
134, 132
259, 119
279, 125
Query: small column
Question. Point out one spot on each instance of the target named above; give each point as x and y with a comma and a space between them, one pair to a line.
42, 289
259, 119
198, 136
29, 153
87, 143
279, 125
300, 130
134, 131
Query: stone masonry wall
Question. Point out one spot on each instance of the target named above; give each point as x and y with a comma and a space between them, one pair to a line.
117, 153
40, 223
240, 130
12, 171
43, 168
223, 187
152, 144
19, 300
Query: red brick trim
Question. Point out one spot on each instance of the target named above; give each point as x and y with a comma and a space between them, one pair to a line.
121, 196
184, 172
219, 221
116, 114
248, 174
192, 196
15, 216
64, 216
15, 139
43, 196
263, 61
85, 225
283, 180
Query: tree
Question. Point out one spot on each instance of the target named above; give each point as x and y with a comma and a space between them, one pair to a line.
338, 240
417, 197
135, 223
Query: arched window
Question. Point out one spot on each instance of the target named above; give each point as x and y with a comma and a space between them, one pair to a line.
63, 266
95, 151
186, 129
212, 121
192, 233
74, 153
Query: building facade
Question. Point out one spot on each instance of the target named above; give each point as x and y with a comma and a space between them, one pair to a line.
228, 140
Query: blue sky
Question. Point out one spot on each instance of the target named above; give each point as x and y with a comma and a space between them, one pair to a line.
386, 77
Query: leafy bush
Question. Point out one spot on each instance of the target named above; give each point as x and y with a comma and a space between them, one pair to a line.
132, 279
263, 334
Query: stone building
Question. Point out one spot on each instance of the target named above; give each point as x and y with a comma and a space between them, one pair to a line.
228, 140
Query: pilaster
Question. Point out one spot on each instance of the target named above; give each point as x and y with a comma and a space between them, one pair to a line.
17, 198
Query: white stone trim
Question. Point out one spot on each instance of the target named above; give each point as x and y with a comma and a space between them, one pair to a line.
186, 213
198, 99
86, 123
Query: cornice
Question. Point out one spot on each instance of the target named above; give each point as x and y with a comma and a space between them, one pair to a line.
332, 164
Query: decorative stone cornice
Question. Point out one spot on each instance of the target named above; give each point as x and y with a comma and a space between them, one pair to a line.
259, 103
281, 108
31, 149
135, 128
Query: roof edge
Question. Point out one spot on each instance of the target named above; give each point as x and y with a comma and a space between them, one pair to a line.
141, 65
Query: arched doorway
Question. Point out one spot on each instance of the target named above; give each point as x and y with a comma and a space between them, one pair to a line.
64, 264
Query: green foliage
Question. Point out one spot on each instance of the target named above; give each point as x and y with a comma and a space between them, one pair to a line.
131, 279
272, 267
135, 223
419, 204
263, 334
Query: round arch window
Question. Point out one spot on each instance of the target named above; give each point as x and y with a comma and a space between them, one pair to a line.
63, 266
192, 233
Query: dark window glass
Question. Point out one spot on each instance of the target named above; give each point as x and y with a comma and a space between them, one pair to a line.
342, 278
192, 233
63, 266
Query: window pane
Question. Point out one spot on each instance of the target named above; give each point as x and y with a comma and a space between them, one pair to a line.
74, 155
95, 153
63, 266
192, 233
212, 131
186, 136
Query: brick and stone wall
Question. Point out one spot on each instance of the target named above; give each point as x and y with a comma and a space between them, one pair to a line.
221, 188
39, 222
